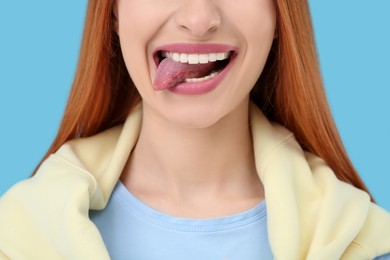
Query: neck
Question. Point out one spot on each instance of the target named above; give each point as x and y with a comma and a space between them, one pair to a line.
189, 162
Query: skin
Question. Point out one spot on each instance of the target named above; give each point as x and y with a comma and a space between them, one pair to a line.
194, 157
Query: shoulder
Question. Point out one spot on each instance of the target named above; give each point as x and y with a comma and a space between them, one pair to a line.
37, 213
371, 222
82, 161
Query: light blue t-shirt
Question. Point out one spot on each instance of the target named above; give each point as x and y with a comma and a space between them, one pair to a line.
133, 230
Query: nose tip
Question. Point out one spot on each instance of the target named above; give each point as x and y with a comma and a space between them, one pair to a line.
198, 17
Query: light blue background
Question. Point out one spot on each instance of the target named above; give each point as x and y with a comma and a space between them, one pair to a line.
39, 43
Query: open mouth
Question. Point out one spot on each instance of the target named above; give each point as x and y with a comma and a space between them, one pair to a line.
220, 59
174, 68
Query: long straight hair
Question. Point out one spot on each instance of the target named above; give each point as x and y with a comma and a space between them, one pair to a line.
289, 91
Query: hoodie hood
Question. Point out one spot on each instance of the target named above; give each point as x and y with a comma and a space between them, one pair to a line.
311, 214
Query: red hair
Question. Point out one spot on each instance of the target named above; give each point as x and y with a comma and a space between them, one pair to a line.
289, 91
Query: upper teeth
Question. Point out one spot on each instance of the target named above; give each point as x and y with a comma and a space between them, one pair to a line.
196, 58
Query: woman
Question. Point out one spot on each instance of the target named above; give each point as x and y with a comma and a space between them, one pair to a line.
167, 150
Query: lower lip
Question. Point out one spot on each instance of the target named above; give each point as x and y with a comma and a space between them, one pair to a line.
202, 87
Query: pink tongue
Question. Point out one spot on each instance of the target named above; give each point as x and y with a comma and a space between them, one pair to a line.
171, 73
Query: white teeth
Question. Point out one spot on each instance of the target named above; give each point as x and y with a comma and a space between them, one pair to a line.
212, 57
203, 58
222, 56
183, 58
193, 59
175, 56
211, 75
196, 58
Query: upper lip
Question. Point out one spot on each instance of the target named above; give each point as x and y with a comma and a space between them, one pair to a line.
191, 48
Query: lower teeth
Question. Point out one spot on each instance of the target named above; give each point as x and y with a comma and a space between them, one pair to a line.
210, 76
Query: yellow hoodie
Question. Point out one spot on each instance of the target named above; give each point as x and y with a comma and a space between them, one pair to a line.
311, 214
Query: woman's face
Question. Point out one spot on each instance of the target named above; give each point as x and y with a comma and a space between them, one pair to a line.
195, 61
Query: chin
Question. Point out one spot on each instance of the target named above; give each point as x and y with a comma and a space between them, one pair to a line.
195, 118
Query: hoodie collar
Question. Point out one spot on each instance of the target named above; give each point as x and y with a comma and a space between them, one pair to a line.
311, 214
